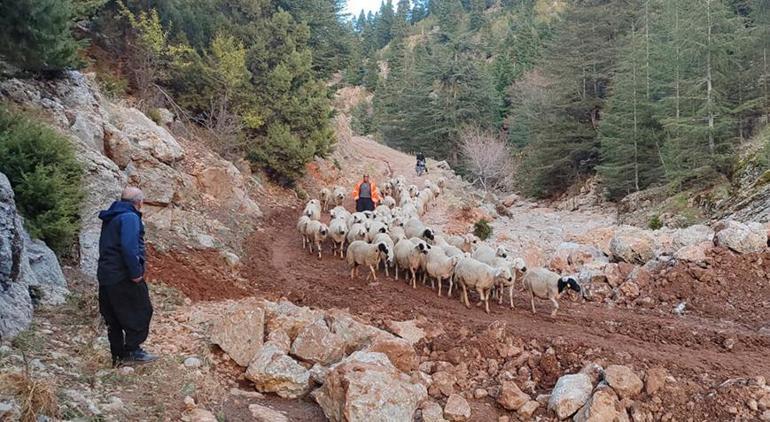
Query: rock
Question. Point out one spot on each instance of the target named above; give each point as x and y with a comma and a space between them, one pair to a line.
569, 394
353, 332
365, 386
115, 405
570, 257
289, 318
602, 407
15, 272
432, 412
528, 409
623, 380
318, 373
510, 200
280, 339
272, 371
192, 362
615, 274
444, 382
48, 281
629, 289
655, 379
265, 414
240, 331
668, 241
125, 370
166, 117
247, 394
457, 408
401, 354
694, 253
144, 134
765, 416
317, 344
480, 393
739, 237
407, 330
632, 245
594, 371
764, 402
201, 415
511, 397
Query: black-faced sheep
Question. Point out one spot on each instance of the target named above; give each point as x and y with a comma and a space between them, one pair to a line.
546, 284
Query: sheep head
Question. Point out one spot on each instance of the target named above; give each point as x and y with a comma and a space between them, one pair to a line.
568, 282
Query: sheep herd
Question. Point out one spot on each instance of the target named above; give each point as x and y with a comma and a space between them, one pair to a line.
393, 237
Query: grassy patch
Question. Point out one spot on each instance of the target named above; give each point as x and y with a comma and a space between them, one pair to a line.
482, 229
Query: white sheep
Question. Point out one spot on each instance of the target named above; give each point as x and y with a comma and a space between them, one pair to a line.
301, 226
409, 253
339, 195
383, 211
487, 255
471, 273
338, 230
415, 228
441, 182
396, 233
325, 195
313, 209
358, 218
466, 243
374, 228
546, 284
356, 232
362, 253
316, 233
384, 238
441, 267
389, 201
515, 269
413, 189
339, 212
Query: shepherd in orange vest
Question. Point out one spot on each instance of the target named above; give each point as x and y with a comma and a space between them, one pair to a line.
366, 195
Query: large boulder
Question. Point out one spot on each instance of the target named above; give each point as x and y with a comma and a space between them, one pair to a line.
356, 334
240, 331
569, 257
623, 380
603, 406
273, 371
144, 135
15, 273
365, 386
668, 241
288, 317
317, 344
457, 409
570, 394
632, 245
740, 237
407, 330
48, 284
401, 354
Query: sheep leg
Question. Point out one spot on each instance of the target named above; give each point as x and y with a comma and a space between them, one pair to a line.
396, 270
464, 297
486, 300
510, 294
319, 250
352, 272
374, 274
532, 300
385, 263
555, 307
439, 286
451, 283
414, 278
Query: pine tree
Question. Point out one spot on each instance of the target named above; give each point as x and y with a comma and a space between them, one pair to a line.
35, 35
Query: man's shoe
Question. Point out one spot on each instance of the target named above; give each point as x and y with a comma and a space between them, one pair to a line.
139, 357
117, 361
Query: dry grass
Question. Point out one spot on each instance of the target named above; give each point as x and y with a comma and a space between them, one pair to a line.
35, 397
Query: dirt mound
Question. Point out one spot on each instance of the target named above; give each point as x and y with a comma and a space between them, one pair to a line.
200, 275
729, 286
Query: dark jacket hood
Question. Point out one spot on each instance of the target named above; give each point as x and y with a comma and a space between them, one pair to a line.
117, 208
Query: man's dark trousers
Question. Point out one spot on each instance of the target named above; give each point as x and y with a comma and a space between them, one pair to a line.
364, 204
127, 311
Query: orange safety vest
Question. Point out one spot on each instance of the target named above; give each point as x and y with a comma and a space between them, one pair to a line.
375, 192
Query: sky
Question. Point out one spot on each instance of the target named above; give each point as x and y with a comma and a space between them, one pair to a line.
355, 6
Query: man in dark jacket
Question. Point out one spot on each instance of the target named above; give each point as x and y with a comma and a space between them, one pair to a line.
124, 300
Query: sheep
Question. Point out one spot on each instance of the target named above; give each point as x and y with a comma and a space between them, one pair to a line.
301, 225
374, 228
413, 189
325, 195
396, 233
339, 195
408, 255
387, 188
384, 238
338, 230
441, 182
358, 218
470, 272
466, 243
415, 228
487, 255
316, 232
388, 201
514, 268
441, 267
313, 209
356, 232
362, 253
546, 284
383, 211
340, 212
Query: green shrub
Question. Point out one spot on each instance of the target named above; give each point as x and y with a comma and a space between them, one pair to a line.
154, 115
655, 223
113, 86
45, 176
482, 229
282, 154
361, 119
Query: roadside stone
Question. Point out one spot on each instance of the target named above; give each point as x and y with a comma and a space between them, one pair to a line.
739, 237
401, 354
265, 414
602, 407
480, 393
192, 362
511, 397
457, 409
569, 394
623, 380
528, 409
632, 245
407, 330
272, 371
240, 331
655, 379
280, 339
317, 344
201, 415
444, 382
432, 412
